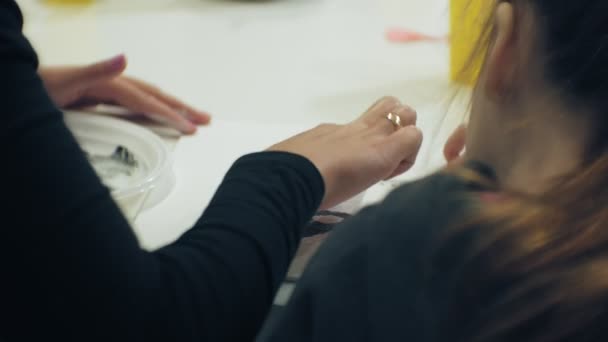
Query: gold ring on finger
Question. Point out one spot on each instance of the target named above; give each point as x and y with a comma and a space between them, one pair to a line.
394, 119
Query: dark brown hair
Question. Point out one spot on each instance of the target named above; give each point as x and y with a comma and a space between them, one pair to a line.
538, 266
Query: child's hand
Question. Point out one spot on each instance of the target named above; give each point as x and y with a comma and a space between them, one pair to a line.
452, 151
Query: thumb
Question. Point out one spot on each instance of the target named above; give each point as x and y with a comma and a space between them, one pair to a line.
100, 71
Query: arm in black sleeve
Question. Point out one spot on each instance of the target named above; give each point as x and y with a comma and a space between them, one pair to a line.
243, 243
72, 269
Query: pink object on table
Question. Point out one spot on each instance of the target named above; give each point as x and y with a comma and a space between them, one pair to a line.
399, 35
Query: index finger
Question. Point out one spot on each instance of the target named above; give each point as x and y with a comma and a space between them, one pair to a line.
139, 101
191, 113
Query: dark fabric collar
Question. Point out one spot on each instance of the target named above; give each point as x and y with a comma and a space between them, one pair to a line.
482, 169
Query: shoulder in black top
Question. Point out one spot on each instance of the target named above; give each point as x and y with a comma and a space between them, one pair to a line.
370, 281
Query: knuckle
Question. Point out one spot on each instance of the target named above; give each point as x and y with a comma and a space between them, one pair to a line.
409, 108
361, 125
411, 111
325, 126
408, 115
390, 101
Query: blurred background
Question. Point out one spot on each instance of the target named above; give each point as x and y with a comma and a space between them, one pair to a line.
326, 59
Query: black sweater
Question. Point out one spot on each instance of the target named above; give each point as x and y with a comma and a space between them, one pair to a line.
372, 280
72, 269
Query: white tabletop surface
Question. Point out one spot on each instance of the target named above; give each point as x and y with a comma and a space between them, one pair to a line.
264, 69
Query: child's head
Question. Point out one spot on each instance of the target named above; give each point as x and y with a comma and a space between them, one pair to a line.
544, 83
537, 269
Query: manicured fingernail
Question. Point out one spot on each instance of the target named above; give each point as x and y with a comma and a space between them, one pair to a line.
190, 129
186, 127
118, 62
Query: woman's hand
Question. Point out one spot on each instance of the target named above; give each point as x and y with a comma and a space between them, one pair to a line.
103, 83
357, 155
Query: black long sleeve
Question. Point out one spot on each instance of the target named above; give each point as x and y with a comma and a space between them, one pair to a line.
72, 269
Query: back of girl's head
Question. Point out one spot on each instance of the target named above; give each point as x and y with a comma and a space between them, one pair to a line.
573, 48
538, 267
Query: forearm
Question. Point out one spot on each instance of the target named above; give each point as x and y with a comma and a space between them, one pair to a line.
244, 242
74, 267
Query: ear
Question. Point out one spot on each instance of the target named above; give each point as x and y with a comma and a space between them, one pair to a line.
500, 65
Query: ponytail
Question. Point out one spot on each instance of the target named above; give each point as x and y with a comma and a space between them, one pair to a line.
547, 255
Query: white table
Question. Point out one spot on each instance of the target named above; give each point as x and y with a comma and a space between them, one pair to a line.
265, 70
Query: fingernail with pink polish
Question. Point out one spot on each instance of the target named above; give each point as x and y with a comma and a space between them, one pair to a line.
187, 127
118, 62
